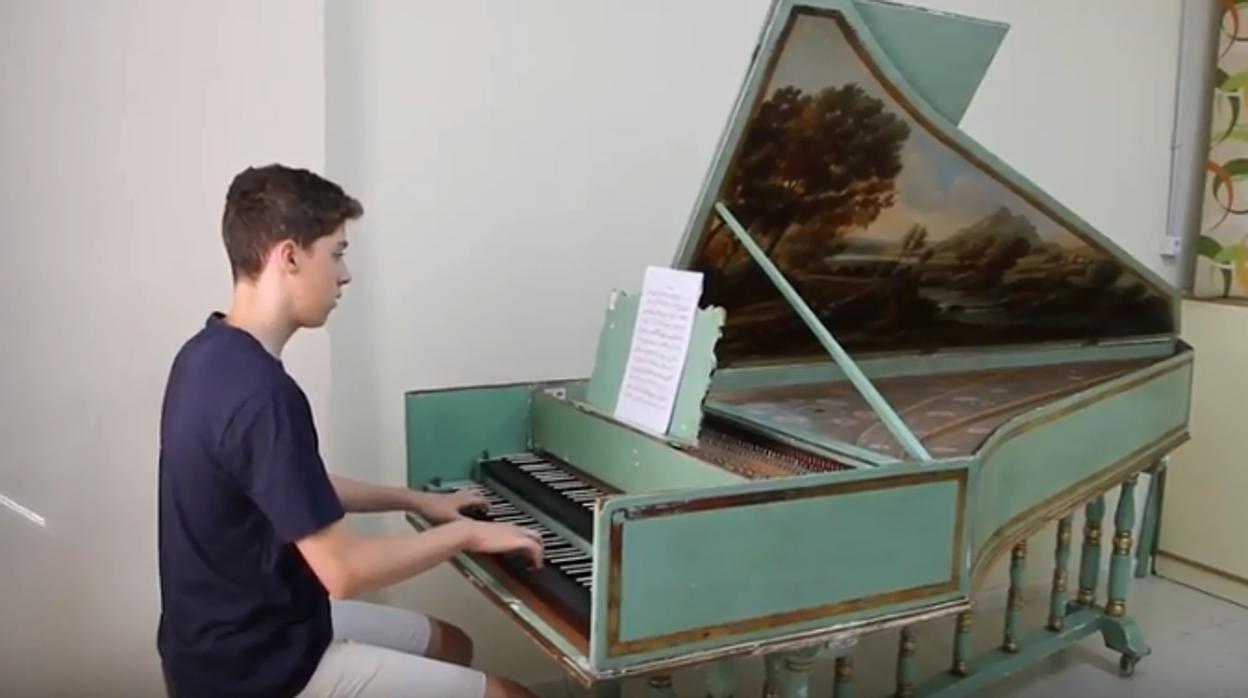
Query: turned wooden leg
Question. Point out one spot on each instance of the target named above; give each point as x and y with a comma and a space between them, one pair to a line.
1090, 564
773, 667
1148, 527
961, 645
660, 687
1061, 558
720, 679
1120, 560
788, 673
906, 669
1014, 607
798, 666
1121, 633
843, 682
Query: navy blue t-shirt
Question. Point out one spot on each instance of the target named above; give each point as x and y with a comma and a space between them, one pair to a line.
241, 479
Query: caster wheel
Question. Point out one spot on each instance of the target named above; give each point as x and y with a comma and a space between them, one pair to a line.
1126, 664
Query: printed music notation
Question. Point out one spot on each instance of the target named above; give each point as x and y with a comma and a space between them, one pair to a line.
656, 358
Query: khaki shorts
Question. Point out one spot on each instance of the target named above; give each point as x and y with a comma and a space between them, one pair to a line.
377, 652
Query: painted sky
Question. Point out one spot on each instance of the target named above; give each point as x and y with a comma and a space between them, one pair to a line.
937, 187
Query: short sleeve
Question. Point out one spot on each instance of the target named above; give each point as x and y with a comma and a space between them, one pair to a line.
272, 451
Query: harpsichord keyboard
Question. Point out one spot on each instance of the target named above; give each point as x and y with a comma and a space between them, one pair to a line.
516, 485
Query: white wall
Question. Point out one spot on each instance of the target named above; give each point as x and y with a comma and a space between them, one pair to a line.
518, 161
1080, 99
120, 127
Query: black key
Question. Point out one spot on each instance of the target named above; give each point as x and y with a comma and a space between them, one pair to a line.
537, 485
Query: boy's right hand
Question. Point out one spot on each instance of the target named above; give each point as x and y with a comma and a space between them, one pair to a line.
492, 537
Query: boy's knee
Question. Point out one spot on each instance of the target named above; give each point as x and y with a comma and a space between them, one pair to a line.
498, 687
450, 644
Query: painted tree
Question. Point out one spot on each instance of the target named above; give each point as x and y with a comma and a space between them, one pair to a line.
828, 160
915, 240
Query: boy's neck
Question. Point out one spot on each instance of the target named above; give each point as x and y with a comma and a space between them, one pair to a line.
261, 314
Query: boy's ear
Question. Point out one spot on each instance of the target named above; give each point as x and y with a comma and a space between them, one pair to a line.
284, 254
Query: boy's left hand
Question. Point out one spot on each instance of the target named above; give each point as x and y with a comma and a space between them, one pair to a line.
441, 508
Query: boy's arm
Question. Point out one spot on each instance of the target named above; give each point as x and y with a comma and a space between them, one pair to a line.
270, 448
363, 497
349, 565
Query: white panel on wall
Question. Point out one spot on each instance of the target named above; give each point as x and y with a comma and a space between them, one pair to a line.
1192, 117
121, 125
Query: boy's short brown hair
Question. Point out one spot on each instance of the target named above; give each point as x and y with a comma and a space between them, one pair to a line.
265, 205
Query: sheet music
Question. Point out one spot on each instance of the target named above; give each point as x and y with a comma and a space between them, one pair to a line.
656, 359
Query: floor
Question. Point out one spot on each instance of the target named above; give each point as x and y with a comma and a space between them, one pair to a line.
1200, 650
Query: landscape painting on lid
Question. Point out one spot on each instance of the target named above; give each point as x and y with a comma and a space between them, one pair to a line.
889, 230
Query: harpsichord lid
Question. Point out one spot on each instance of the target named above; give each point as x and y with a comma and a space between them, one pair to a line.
843, 162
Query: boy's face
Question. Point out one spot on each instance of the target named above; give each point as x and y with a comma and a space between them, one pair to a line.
317, 278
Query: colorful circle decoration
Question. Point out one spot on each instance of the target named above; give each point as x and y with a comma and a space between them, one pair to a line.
1222, 249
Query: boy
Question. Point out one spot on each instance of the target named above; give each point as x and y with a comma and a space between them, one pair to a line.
252, 540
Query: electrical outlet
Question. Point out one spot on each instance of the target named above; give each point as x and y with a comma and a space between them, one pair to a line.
1170, 246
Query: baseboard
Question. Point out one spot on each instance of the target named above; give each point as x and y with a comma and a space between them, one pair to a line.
1209, 580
